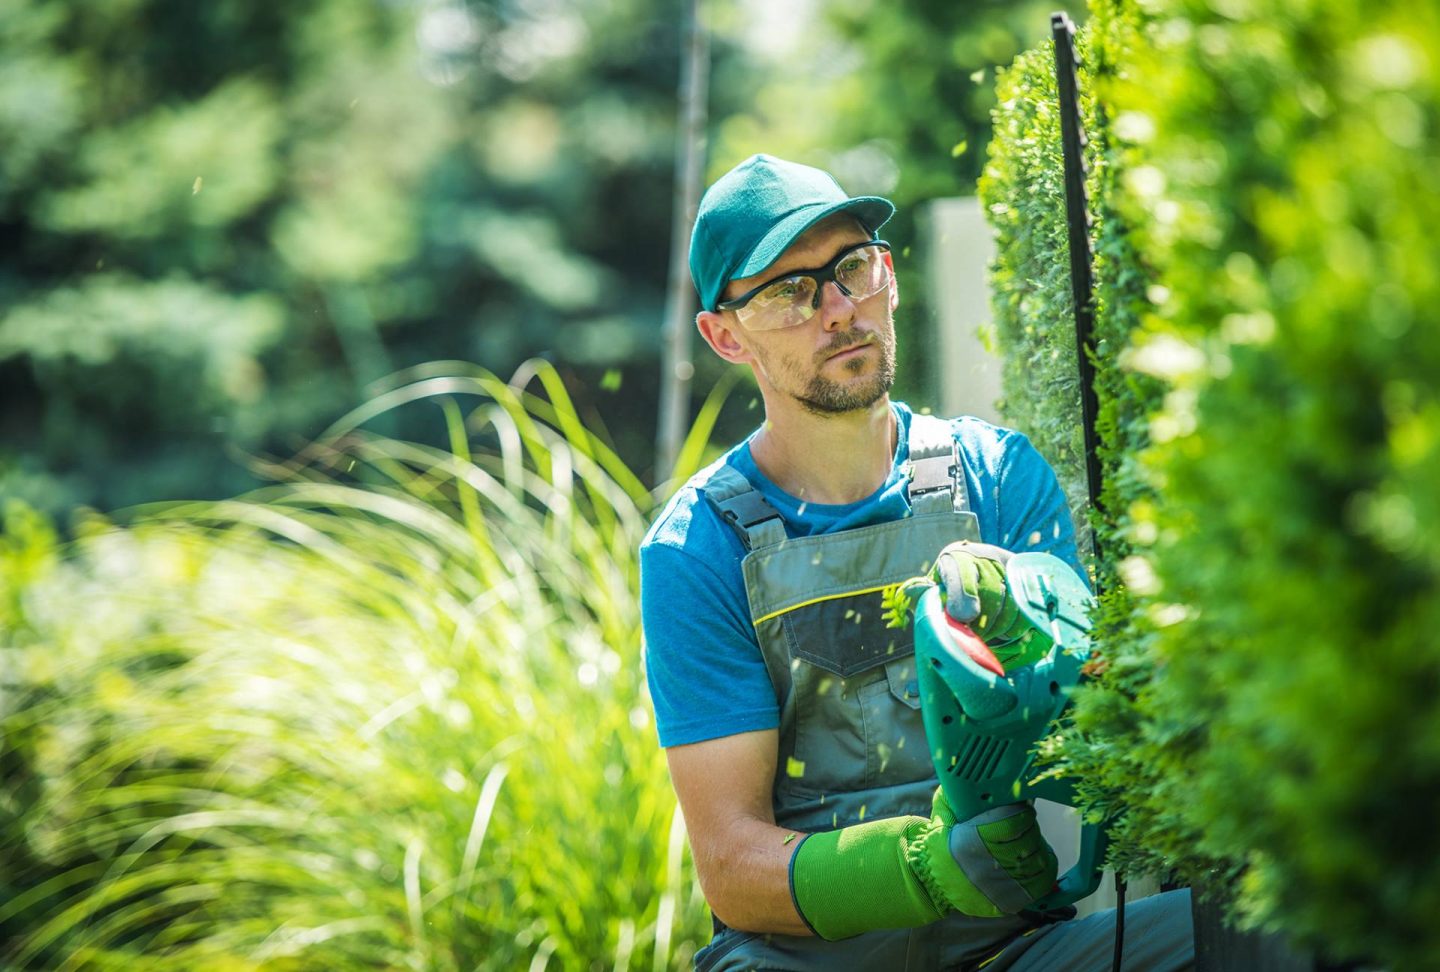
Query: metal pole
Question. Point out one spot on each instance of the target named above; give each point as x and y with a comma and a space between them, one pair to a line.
676, 366
1077, 217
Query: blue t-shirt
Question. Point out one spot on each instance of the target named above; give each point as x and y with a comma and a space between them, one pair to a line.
706, 674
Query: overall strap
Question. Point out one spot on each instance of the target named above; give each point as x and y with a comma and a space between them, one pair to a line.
937, 485
937, 477
749, 514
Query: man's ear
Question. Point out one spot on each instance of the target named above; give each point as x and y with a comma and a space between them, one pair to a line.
719, 331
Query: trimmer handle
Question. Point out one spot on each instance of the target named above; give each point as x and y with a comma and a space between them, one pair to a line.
1083, 878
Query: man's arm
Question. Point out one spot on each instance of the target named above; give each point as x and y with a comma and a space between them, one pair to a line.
717, 715
897, 872
743, 859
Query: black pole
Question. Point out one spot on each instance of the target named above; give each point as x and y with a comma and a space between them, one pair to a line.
1077, 217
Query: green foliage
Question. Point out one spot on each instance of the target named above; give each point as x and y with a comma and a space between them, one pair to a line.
386, 714
1298, 447
198, 345
1023, 194
1265, 196
899, 600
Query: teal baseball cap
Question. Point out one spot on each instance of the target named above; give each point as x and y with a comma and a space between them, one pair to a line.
755, 211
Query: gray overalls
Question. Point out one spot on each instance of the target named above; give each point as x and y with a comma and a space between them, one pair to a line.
852, 744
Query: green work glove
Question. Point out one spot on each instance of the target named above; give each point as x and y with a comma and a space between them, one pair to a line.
972, 579
908, 871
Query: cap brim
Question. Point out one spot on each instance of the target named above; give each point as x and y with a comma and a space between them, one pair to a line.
872, 211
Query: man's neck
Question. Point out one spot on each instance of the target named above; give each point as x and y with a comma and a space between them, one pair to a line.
828, 459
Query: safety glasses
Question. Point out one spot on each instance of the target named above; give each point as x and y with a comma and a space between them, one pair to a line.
859, 271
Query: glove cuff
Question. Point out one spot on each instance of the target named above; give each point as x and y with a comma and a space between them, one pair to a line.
859, 879
794, 896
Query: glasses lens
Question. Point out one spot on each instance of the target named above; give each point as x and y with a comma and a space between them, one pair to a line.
860, 273
863, 272
784, 303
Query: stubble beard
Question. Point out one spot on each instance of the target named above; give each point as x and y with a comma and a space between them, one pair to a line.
820, 395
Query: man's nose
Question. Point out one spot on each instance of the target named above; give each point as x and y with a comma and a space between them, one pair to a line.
836, 308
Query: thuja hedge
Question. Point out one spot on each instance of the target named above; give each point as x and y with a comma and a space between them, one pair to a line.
1022, 191
1266, 188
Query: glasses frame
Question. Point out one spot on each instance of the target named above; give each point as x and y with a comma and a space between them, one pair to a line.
821, 276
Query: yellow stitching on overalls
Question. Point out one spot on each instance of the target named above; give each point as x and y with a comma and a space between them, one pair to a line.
1025, 934
817, 600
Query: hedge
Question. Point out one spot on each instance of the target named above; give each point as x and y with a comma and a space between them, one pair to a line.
1265, 196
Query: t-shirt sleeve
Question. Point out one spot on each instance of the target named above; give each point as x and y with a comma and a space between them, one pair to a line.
1033, 513
706, 676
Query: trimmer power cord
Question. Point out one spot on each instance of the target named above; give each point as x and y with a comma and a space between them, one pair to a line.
1119, 920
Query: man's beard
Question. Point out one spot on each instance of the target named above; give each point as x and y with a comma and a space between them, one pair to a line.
823, 396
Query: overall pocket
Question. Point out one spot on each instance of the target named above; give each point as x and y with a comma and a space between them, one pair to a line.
896, 748
856, 705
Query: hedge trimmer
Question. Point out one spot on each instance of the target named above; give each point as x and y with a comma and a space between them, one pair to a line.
982, 723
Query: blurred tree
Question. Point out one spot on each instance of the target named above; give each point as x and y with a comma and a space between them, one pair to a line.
220, 222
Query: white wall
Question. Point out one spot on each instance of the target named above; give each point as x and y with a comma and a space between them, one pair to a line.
960, 246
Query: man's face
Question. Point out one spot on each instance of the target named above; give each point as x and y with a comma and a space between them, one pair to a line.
843, 358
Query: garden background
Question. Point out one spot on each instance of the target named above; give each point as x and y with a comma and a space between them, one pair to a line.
329, 358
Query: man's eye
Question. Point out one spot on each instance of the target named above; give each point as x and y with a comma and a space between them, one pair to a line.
784, 290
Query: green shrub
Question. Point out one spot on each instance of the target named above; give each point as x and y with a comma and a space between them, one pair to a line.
1296, 149
1270, 407
1023, 194
386, 714
1023, 191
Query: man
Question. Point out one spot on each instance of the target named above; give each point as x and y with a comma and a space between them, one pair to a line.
788, 709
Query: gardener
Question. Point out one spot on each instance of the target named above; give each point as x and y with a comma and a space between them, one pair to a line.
788, 710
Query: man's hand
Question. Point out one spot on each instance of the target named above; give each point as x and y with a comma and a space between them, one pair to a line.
1002, 863
972, 579
908, 871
